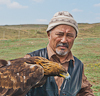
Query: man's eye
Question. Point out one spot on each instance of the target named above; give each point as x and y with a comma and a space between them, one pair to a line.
59, 34
70, 35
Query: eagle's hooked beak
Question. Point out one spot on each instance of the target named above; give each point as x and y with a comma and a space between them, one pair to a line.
65, 75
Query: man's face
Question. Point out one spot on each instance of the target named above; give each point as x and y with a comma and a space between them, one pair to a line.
61, 39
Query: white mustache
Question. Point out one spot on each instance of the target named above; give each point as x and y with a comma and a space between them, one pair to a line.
62, 44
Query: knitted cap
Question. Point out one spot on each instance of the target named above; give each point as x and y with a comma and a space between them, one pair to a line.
63, 17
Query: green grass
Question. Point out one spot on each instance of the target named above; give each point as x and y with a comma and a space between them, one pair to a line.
11, 49
86, 46
87, 49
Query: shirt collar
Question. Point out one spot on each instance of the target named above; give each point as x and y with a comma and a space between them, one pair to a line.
51, 54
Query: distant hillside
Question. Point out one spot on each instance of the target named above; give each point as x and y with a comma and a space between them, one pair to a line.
89, 30
39, 31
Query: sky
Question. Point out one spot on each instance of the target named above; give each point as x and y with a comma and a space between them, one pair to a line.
15, 12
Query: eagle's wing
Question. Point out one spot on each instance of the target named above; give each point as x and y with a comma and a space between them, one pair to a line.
19, 78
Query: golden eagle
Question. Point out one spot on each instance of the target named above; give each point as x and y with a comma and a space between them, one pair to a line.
18, 76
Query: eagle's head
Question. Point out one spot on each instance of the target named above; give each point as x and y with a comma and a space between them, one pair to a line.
50, 68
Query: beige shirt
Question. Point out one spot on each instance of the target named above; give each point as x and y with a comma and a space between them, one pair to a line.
85, 88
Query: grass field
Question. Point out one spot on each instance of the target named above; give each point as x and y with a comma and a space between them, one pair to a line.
15, 44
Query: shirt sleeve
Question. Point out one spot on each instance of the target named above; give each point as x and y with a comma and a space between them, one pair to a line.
86, 87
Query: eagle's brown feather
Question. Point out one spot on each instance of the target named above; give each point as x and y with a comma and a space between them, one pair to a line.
20, 75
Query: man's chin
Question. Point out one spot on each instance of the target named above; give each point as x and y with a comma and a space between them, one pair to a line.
62, 52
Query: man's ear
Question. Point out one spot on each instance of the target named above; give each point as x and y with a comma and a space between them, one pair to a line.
75, 36
48, 33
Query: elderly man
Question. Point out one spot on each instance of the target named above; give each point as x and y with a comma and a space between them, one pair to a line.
62, 31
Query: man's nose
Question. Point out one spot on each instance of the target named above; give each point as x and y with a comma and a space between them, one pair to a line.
64, 39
